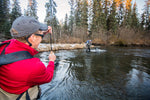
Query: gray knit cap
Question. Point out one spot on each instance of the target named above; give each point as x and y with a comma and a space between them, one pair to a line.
26, 25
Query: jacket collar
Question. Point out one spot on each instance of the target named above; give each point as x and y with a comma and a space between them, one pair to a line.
16, 45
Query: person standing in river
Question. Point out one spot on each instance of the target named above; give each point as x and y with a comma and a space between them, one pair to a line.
21, 79
88, 45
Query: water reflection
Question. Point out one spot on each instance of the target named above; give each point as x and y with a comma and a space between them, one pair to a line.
107, 74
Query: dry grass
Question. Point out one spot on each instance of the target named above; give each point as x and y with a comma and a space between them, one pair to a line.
123, 37
70, 40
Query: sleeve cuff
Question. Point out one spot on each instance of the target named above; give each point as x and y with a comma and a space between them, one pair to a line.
51, 64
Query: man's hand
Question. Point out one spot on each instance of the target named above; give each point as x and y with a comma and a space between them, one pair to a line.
52, 56
49, 30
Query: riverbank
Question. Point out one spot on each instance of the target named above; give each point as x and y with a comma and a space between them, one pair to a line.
122, 44
47, 47
43, 47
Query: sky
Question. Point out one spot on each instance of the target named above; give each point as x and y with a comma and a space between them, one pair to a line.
140, 5
63, 8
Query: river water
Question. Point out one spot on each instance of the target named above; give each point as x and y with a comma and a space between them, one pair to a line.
106, 73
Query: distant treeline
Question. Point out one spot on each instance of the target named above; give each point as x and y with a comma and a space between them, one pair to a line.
112, 22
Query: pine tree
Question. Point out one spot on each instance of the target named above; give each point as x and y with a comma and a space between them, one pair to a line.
98, 18
51, 19
78, 13
120, 11
135, 21
127, 17
94, 15
102, 17
84, 14
4, 11
112, 21
145, 17
65, 27
32, 9
71, 18
106, 4
16, 11
143, 20
50, 12
148, 15
4, 18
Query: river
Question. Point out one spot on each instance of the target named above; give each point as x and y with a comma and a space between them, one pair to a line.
105, 73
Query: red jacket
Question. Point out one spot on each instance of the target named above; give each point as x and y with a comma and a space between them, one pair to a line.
19, 76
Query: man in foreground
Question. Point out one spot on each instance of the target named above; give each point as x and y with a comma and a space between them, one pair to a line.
20, 79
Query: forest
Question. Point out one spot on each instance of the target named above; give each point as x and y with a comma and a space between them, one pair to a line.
105, 22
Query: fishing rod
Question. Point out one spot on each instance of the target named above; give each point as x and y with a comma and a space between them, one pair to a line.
52, 27
50, 42
51, 48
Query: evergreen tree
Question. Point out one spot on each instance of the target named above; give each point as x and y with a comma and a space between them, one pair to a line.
71, 18
102, 17
98, 18
112, 21
127, 17
32, 9
147, 15
143, 20
50, 18
95, 15
50, 12
106, 3
66, 25
78, 13
16, 11
4, 18
4, 11
120, 11
135, 21
84, 14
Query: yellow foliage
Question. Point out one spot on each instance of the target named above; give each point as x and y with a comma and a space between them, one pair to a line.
118, 2
128, 4
30, 2
148, 2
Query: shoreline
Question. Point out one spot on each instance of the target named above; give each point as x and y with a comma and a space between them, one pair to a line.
123, 45
47, 47
43, 47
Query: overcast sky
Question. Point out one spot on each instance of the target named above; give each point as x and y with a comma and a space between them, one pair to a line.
63, 8
140, 5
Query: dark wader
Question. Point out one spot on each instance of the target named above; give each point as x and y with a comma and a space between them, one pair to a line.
88, 49
31, 94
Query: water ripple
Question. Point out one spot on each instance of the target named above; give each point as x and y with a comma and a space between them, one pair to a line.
118, 74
